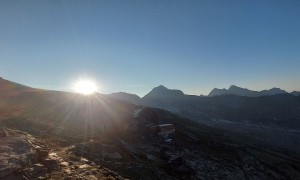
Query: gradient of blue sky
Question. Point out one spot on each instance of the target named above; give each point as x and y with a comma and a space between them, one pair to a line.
133, 46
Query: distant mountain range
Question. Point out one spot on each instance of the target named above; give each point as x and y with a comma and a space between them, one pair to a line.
274, 107
235, 90
269, 107
165, 93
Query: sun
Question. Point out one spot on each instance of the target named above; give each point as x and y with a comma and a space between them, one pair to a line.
85, 87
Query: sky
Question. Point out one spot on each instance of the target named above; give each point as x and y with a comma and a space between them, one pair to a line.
133, 46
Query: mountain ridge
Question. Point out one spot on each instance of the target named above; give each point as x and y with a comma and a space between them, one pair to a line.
273, 107
163, 92
132, 98
239, 91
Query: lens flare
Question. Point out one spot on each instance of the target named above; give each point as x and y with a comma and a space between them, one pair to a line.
85, 86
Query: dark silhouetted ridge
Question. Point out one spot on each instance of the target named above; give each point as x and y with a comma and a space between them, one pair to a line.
235, 90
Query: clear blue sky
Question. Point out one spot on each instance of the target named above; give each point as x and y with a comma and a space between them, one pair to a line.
134, 46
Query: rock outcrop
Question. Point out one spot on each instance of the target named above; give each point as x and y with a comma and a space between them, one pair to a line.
15, 152
2, 133
22, 156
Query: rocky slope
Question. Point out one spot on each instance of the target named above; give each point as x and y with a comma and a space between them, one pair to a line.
197, 152
24, 156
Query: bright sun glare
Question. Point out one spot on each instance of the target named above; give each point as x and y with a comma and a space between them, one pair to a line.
85, 86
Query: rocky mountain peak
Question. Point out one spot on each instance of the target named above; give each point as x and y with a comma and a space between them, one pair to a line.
162, 91
234, 87
239, 91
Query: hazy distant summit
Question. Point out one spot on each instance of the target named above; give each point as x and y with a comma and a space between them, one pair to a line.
235, 90
160, 92
163, 92
296, 93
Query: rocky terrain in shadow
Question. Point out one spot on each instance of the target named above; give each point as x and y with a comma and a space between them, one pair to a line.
24, 156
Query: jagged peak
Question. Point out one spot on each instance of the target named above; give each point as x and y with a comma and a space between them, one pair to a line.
160, 87
275, 88
236, 87
162, 91
219, 89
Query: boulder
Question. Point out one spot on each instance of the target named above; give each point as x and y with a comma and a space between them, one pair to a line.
16, 152
92, 177
36, 171
87, 148
84, 160
2, 133
65, 164
112, 156
42, 153
68, 171
7, 170
151, 157
51, 164
84, 166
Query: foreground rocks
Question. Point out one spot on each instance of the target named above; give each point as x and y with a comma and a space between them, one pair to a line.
139, 155
150, 160
15, 153
36, 171
74, 167
24, 157
2, 133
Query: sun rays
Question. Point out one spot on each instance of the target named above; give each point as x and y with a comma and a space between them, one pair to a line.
85, 117
85, 86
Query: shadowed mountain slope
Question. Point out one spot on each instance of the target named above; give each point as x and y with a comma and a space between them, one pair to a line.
63, 110
132, 98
